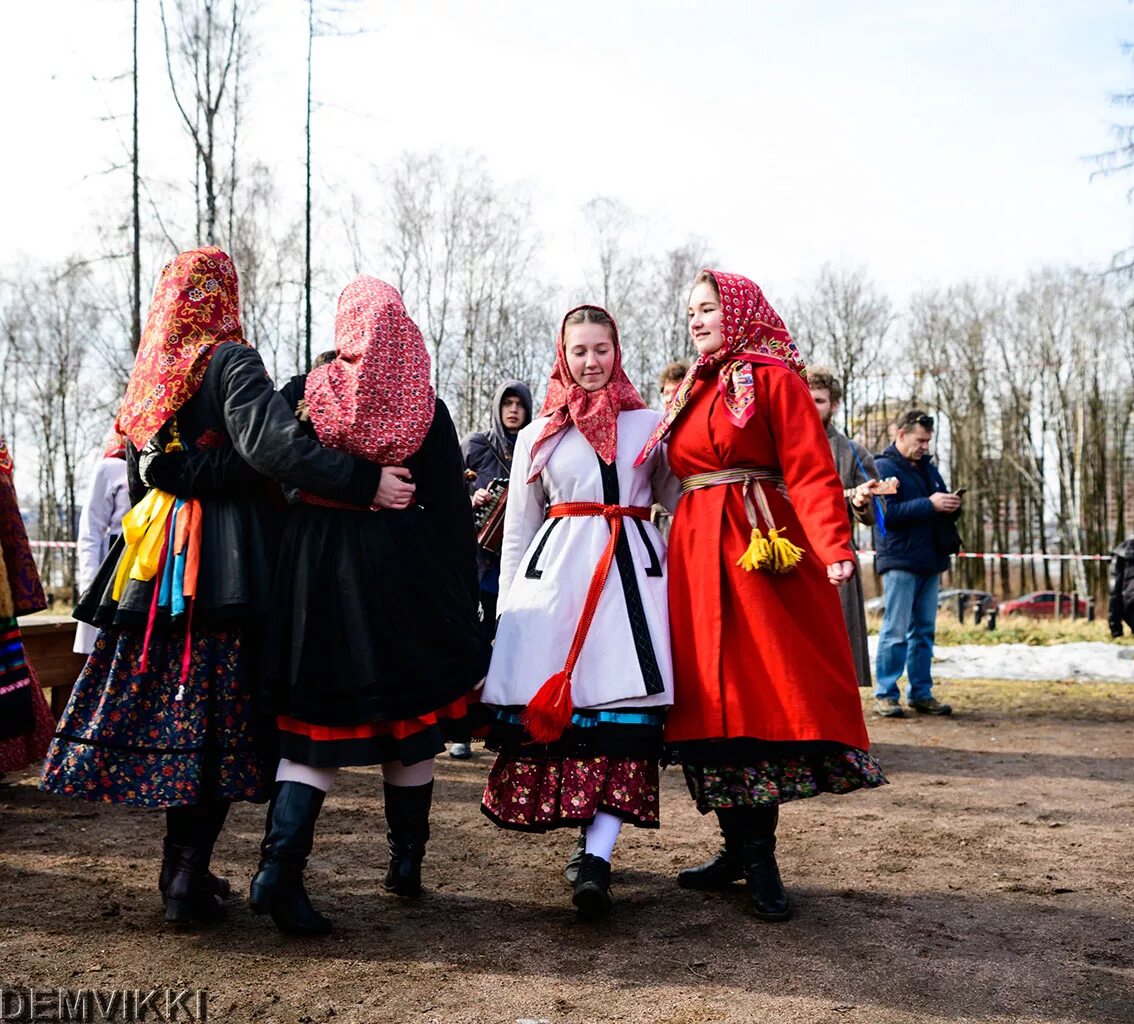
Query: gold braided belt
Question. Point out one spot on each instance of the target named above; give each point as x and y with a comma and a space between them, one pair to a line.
774, 553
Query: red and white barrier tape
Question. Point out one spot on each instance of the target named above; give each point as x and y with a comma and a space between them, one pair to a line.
1035, 556
52, 544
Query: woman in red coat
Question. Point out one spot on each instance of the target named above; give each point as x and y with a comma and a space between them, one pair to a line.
766, 699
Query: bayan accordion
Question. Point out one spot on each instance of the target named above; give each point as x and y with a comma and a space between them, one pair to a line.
489, 518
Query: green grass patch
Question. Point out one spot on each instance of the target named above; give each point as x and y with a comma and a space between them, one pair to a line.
1017, 630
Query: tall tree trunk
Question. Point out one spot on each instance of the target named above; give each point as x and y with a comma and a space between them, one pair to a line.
307, 203
136, 275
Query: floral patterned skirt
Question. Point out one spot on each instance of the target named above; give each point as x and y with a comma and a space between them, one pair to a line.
778, 780
542, 792
132, 735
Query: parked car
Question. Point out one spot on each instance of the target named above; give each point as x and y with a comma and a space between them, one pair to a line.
980, 602
1044, 604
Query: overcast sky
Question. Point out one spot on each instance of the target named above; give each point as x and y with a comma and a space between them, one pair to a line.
926, 141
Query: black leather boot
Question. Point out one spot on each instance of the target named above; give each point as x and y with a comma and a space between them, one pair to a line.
181, 825
592, 888
188, 896
277, 887
766, 895
571, 870
719, 872
407, 818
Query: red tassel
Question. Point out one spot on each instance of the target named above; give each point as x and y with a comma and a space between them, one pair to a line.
549, 712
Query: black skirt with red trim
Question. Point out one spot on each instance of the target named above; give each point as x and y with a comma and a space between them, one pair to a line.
408, 740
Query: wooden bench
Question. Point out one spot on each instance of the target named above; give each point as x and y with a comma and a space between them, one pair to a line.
48, 642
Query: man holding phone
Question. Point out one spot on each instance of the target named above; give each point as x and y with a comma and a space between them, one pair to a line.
921, 535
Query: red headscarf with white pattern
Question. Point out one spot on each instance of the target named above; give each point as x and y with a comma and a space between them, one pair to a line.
753, 333
594, 413
374, 399
196, 307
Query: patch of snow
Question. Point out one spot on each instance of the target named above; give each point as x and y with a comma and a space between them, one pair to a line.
1088, 661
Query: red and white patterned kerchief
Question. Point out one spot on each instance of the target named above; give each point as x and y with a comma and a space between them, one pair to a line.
594, 413
196, 307
374, 399
753, 333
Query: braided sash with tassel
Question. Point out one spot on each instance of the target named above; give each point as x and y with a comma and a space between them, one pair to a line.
774, 553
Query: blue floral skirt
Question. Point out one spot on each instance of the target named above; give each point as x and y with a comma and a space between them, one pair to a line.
135, 736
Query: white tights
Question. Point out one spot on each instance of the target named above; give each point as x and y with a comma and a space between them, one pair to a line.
394, 772
602, 834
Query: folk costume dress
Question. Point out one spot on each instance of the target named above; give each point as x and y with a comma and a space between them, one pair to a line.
163, 712
26, 722
576, 503
377, 644
767, 707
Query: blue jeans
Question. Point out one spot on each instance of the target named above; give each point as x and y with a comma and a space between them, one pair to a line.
905, 642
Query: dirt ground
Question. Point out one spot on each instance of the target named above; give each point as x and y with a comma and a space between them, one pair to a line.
991, 881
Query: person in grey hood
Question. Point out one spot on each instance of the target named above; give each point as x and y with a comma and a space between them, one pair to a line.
488, 455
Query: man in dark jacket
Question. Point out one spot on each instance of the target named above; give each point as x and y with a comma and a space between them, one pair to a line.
1121, 607
920, 536
488, 454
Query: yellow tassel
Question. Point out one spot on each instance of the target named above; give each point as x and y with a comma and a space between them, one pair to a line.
785, 556
758, 554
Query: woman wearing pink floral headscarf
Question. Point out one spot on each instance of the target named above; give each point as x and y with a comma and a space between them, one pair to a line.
377, 641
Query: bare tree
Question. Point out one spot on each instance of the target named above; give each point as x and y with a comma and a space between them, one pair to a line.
844, 321
48, 321
202, 54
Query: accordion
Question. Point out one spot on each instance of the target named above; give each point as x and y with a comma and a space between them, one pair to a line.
489, 518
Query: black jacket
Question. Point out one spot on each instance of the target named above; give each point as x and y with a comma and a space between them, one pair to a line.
1121, 607
918, 538
238, 436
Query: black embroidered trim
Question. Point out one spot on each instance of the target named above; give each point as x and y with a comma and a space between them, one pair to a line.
639, 627
655, 566
532, 572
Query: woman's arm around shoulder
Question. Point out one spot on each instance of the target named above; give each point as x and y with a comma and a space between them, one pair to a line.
266, 434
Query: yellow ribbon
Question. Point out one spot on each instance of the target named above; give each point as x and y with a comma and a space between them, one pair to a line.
143, 530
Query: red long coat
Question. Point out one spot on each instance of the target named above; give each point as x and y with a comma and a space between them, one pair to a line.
758, 655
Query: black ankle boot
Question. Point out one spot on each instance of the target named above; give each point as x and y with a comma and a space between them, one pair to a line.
188, 896
182, 824
277, 887
407, 818
766, 895
719, 872
571, 870
592, 887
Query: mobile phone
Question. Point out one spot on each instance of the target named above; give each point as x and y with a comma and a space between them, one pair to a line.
960, 492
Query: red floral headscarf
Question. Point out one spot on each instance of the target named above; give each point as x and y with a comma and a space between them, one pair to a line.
196, 307
374, 399
595, 413
114, 447
753, 333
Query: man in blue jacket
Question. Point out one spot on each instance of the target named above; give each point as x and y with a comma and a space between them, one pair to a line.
920, 536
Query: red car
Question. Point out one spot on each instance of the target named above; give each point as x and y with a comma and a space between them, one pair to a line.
1041, 604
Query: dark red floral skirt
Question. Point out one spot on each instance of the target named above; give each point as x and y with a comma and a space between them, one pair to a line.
540, 793
778, 780
128, 737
